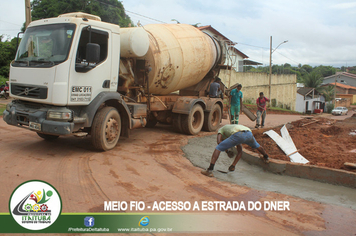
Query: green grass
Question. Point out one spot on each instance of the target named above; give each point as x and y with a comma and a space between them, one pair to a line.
282, 109
2, 108
277, 109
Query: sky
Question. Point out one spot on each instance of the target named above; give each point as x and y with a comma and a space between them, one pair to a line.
319, 32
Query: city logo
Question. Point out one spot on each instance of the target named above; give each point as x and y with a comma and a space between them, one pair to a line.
144, 221
35, 205
89, 221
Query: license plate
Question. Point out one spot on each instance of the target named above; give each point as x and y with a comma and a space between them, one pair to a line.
35, 126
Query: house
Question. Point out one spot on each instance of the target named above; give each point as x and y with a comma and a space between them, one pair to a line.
309, 101
345, 92
342, 78
237, 59
342, 88
283, 87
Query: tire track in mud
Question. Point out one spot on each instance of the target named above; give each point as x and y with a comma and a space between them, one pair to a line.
76, 180
64, 163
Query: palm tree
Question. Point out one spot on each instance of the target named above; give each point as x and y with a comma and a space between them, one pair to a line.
312, 80
328, 92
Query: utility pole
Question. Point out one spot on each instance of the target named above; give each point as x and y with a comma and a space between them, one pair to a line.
270, 66
270, 69
335, 89
28, 12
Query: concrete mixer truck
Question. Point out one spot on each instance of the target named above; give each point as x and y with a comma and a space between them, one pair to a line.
76, 75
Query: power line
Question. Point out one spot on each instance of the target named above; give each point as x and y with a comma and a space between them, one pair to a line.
146, 17
288, 58
9, 29
252, 45
132, 12
10, 23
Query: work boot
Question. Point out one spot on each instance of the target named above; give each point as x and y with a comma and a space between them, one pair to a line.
208, 173
257, 126
231, 168
266, 159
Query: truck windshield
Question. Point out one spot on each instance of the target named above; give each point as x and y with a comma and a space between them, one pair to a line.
45, 46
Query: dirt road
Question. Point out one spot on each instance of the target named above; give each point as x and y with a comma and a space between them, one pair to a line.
150, 166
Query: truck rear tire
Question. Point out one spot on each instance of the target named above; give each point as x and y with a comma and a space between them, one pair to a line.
106, 129
193, 122
177, 123
212, 119
47, 137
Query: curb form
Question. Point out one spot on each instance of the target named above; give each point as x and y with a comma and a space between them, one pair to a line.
312, 172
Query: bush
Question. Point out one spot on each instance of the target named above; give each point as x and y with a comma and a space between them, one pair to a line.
249, 101
273, 102
3, 80
329, 107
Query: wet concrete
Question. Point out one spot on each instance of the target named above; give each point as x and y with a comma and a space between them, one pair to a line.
199, 151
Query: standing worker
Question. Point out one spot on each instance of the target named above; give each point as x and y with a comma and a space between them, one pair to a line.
261, 110
235, 104
230, 136
215, 91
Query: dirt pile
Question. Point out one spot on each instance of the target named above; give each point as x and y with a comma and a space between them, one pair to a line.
324, 142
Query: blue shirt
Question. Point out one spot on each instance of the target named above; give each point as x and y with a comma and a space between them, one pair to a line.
214, 87
236, 97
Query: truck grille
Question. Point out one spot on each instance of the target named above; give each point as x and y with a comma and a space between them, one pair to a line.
29, 91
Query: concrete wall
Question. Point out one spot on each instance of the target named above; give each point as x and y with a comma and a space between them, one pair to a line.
352, 97
300, 103
283, 89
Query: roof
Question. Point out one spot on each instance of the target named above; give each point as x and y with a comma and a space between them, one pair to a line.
231, 43
209, 27
304, 91
340, 85
251, 63
342, 73
240, 53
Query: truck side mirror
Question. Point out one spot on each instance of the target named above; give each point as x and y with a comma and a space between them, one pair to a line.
93, 53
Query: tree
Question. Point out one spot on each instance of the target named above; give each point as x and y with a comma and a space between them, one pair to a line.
7, 54
325, 71
111, 11
328, 92
312, 80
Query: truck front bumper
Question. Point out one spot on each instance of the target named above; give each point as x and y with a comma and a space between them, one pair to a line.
34, 119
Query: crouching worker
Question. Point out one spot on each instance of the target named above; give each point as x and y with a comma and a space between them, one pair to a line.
230, 136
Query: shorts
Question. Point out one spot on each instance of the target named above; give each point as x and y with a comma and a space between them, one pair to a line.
242, 137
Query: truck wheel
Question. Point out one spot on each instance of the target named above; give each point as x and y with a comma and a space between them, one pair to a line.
177, 123
212, 120
192, 123
106, 129
47, 137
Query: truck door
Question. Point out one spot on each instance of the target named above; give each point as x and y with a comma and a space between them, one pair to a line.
87, 79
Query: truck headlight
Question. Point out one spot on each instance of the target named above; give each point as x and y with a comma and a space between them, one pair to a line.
59, 115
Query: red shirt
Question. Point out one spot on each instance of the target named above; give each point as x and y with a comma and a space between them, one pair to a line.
262, 103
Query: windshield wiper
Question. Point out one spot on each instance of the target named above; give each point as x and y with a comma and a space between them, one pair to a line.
26, 62
43, 62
